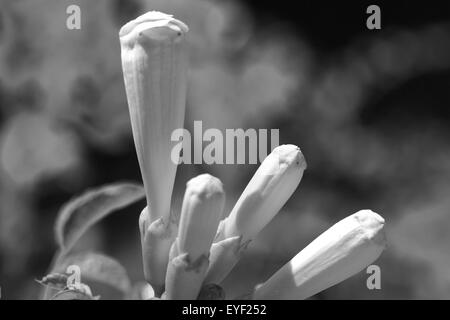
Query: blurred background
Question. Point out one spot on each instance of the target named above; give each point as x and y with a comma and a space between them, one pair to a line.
369, 109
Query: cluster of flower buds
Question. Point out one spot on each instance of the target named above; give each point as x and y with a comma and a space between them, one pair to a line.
205, 247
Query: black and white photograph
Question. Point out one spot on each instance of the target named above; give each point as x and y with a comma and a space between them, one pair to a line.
231, 150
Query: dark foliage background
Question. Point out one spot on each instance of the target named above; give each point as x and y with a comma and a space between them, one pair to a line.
369, 109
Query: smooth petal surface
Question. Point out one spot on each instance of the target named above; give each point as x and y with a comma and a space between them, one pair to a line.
270, 187
154, 63
200, 215
340, 252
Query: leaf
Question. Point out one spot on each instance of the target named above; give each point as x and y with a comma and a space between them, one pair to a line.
79, 214
98, 267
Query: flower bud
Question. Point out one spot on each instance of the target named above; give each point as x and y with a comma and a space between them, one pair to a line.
340, 252
270, 187
154, 63
200, 215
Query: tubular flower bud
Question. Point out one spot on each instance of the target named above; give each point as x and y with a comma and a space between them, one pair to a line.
154, 63
340, 252
270, 187
200, 215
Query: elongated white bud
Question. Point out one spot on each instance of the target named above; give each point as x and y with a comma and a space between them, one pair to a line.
154, 63
156, 239
200, 215
340, 252
270, 187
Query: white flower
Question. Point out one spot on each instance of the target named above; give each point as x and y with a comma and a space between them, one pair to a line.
270, 187
340, 252
154, 63
200, 215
